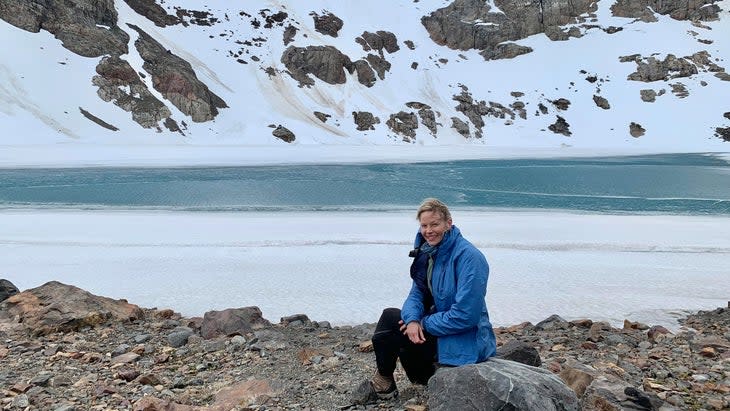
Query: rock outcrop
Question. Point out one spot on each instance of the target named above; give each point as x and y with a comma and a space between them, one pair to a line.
378, 41
327, 23
403, 123
324, 62
56, 307
118, 82
154, 12
175, 79
472, 24
365, 120
702, 10
560, 126
89, 28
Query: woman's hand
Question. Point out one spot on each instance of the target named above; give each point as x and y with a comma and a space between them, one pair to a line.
413, 331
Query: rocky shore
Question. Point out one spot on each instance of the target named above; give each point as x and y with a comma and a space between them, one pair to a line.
64, 349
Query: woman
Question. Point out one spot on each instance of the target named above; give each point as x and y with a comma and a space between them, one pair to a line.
444, 319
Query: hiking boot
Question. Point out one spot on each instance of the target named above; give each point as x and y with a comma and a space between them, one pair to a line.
378, 388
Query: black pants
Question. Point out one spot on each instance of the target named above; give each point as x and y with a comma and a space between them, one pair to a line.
389, 344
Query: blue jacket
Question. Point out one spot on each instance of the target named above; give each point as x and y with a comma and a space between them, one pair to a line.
461, 322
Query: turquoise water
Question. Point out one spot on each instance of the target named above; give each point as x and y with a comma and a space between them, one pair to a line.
674, 184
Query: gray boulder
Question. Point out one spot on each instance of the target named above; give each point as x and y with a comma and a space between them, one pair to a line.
7, 289
233, 321
522, 352
324, 62
498, 384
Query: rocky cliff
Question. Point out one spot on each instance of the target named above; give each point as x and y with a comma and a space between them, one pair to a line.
323, 63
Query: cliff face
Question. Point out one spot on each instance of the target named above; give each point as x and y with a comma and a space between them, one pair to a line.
315, 68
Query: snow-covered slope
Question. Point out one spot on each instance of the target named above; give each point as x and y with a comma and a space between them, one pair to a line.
43, 85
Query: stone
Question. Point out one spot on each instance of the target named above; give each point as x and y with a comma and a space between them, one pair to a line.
636, 130
175, 79
515, 350
56, 307
403, 123
179, 336
601, 102
327, 24
365, 120
7, 289
324, 62
560, 127
284, 134
232, 321
498, 384
460, 126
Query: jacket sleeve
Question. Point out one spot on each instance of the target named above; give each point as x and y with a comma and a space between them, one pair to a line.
471, 272
413, 306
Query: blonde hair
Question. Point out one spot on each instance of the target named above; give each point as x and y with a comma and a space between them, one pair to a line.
435, 205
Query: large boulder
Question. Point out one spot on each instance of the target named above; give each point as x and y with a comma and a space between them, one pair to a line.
498, 384
232, 321
57, 307
325, 62
7, 289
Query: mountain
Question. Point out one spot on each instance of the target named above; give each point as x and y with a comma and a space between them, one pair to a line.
633, 75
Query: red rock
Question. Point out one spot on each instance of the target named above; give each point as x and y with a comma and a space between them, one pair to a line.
245, 393
20, 388
56, 307
589, 345
656, 330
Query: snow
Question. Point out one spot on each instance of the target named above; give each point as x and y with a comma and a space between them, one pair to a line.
40, 97
344, 267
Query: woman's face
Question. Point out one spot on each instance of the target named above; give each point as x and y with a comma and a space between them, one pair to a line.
433, 226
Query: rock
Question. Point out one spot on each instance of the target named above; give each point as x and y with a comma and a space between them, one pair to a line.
233, 321
7, 289
521, 352
324, 62
88, 28
379, 41
727, 116
601, 102
154, 12
578, 377
365, 73
703, 10
595, 333
379, 64
295, 318
119, 83
327, 23
505, 51
403, 123
560, 127
648, 95
498, 384
609, 393
636, 130
472, 24
127, 358
365, 120
175, 79
723, 133
460, 126
322, 116
57, 307
289, 33
179, 336
284, 134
